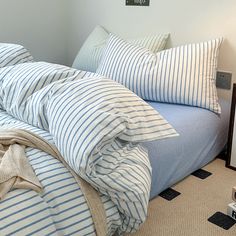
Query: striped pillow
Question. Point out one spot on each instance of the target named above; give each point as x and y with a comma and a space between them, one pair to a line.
182, 75
12, 54
89, 56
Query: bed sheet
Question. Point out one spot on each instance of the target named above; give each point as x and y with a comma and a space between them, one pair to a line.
203, 135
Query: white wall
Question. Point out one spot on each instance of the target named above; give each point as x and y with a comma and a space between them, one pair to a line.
54, 30
186, 20
39, 25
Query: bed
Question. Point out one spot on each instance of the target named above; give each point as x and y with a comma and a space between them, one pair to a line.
127, 149
179, 83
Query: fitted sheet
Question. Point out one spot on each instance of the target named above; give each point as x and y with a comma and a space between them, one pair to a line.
203, 135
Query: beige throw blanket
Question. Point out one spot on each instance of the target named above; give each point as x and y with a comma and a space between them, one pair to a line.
16, 172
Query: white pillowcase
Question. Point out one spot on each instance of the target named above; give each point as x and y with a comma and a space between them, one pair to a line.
182, 75
89, 56
12, 54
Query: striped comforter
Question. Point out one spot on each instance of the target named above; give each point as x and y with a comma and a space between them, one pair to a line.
96, 125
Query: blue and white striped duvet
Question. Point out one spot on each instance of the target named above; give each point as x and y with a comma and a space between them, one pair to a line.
96, 124
12, 54
60, 209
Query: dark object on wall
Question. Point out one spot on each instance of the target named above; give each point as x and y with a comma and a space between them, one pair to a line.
231, 150
223, 80
137, 2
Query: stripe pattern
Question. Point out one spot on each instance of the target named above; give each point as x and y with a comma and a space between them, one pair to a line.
154, 43
96, 124
18, 83
99, 146
60, 209
182, 75
89, 56
13, 54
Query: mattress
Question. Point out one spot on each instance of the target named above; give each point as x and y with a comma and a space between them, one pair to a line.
203, 135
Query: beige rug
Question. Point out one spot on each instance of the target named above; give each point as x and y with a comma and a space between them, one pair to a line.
187, 214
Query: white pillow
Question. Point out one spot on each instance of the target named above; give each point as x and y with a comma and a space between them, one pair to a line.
89, 56
12, 54
182, 75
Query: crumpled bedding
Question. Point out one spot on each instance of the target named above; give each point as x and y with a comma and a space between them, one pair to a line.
16, 172
96, 125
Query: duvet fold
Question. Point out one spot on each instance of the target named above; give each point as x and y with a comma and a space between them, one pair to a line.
96, 124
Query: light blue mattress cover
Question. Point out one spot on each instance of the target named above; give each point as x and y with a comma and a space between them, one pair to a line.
203, 135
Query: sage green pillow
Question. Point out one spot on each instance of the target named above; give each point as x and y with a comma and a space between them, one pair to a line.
89, 56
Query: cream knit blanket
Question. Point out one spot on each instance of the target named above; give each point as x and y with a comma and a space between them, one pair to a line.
16, 172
